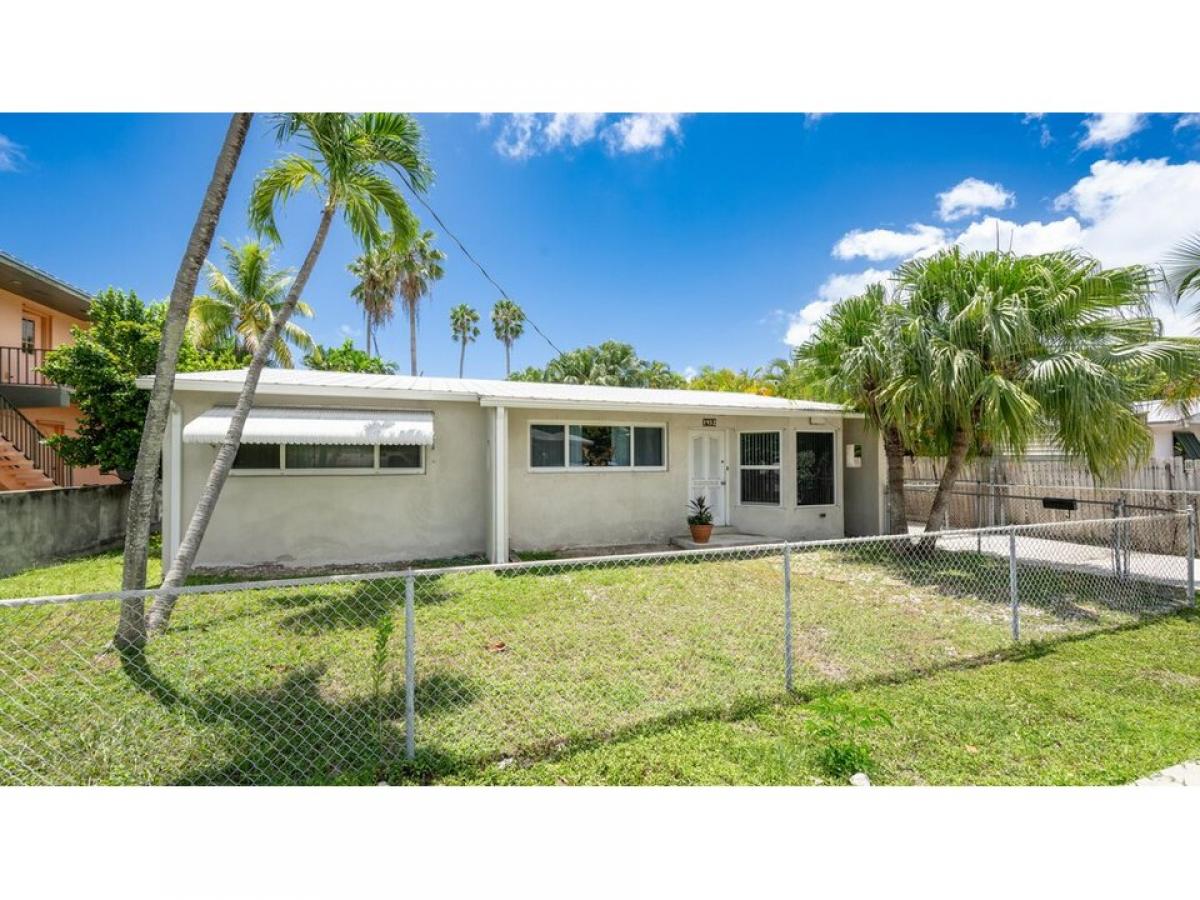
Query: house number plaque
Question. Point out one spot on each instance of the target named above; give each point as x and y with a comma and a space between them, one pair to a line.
708, 422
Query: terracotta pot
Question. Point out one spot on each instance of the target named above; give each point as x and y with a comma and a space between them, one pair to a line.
701, 533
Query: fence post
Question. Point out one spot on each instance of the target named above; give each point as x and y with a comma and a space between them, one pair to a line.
1012, 584
1118, 508
787, 617
410, 666
1191, 557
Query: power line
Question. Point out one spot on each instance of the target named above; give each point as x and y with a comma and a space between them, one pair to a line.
467, 253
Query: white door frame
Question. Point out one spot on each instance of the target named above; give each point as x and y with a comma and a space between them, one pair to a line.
723, 434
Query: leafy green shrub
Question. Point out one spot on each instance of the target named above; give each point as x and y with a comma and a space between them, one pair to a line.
838, 727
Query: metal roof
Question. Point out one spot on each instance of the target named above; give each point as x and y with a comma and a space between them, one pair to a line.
274, 425
32, 283
276, 383
1158, 412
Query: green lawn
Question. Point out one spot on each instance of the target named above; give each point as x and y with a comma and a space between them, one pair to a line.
626, 674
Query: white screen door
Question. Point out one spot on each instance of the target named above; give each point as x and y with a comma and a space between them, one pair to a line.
706, 471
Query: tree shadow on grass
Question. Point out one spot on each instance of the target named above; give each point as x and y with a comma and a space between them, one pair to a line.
294, 733
357, 604
1058, 590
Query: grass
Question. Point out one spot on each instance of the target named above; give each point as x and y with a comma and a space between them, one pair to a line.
625, 674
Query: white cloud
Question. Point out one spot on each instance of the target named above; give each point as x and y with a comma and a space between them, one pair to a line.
516, 140
12, 154
835, 288
883, 243
1107, 129
971, 196
1187, 120
642, 131
1022, 238
348, 331
572, 128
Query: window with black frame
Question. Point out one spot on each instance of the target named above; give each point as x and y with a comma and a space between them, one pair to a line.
814, 468
758, 467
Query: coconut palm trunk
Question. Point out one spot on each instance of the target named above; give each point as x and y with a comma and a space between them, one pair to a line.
131, 626
955, 460
185, 557
893, 451
412, 334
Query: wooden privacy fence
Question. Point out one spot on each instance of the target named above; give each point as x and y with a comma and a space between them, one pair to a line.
1029, 492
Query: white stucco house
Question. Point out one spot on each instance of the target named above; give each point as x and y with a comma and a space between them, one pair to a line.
1175, 429
339, 468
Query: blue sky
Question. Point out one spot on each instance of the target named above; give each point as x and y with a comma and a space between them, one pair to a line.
699, 239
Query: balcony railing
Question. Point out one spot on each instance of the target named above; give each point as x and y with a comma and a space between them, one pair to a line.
20, 365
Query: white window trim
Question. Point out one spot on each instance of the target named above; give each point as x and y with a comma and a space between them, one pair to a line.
777, 467
837, 481
567, 467
283, 470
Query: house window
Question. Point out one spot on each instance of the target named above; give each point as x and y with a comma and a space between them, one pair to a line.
814, 468
257, 456
314, 458
1185, 444
758, 467
28, 335
599, 445
329, 456
590, 447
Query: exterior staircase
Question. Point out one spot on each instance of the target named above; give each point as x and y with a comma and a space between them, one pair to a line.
26, 462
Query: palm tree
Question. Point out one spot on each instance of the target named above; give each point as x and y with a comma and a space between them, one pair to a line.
131, 627
419, 265
347, 164
464, 328
508, 322
241, 306
378, 275
851, 358
1000, 349
1183, 268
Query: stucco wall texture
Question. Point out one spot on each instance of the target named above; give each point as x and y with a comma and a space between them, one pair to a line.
300, 520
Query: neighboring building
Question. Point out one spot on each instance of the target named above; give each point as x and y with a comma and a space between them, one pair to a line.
341, 468
1176, 429
37, 312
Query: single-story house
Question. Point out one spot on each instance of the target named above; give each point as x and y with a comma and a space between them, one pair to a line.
338, 468
1175, 429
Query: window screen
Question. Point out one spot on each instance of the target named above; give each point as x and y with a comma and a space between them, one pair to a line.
814, 468
257, 456
330, 456
758, 467
648, 446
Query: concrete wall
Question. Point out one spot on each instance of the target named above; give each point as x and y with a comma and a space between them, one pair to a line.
556, 509
307, 520
865, 485
51, 327
1164, 444
41, 526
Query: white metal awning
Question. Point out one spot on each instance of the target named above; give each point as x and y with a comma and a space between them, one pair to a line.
281, 425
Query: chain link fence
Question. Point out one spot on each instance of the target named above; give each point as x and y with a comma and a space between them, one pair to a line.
437, 674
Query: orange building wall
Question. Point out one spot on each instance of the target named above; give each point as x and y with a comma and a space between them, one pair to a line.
52, 329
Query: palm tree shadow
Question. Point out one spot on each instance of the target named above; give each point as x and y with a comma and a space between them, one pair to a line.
1065, 593
295, 733
357, 604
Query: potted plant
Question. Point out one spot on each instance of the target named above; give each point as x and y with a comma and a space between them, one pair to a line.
700, 520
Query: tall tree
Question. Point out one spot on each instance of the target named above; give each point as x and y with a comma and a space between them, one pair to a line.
347, 358
612, 363
131, 628
1183, 269
464, 328
1002, 349
378, 273
508, 324
242, 304
851, 358
741, 382
347, 164
420, 265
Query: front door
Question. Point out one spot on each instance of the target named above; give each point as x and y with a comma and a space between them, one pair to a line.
707, 471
